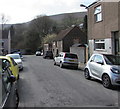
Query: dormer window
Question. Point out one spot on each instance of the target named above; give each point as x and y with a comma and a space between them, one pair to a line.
98, 14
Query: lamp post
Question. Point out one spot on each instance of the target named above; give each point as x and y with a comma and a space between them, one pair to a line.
82, 5
85, 29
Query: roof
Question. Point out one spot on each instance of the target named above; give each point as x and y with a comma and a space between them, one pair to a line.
94, 3
64, 33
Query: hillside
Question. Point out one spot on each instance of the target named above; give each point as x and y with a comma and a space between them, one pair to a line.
58, 18
20, 32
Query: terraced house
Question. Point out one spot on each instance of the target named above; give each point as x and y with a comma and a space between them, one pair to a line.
104, 27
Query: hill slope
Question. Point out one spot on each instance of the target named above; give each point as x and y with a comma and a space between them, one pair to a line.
58, 18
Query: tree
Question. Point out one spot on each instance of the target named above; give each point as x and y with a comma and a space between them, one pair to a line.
4, 19
32, 39
70, 20
38, 29
49, 38
43, 24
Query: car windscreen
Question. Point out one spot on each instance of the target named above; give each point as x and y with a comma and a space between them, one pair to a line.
112, 59
74, 56
15, 56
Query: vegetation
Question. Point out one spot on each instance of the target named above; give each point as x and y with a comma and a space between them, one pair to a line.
42, 29
70, 20
49, 38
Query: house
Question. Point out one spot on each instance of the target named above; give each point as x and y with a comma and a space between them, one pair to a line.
5, 42
104, 27
47, 47
66, 38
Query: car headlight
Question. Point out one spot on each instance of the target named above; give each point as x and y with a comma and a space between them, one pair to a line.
114, 70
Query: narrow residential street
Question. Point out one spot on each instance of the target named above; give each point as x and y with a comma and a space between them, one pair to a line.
42, 84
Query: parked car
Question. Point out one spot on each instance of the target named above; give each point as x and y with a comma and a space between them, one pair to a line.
13, 65
38, 53
9, 95
17, 59
105, 68
66, 59
48, 54
21, 56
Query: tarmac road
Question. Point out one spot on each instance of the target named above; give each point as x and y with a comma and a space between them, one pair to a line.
42, 84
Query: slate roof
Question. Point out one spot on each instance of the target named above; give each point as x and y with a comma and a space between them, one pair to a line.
63, 33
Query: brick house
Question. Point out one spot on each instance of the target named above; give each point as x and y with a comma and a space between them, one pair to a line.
104, 27
66, 38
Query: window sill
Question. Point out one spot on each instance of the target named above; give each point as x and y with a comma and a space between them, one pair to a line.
100, 50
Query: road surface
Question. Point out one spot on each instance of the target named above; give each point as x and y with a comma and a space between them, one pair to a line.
42, 84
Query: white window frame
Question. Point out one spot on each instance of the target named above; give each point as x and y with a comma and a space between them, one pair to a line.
99, 44
98, 13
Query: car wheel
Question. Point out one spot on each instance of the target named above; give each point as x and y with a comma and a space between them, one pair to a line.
21, 69
61, 65
87, 74
106, 81
76, 67
54, 63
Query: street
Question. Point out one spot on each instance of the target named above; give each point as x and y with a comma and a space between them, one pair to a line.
42, 84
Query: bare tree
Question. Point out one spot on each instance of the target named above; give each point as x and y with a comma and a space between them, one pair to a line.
3, 21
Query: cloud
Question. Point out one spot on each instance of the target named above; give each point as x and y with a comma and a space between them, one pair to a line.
25, 10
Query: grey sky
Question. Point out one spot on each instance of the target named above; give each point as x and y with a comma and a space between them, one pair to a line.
19, 11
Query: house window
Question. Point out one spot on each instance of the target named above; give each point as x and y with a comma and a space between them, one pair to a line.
98, 14
99, 44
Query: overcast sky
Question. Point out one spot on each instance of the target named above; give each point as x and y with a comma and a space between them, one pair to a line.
19, 11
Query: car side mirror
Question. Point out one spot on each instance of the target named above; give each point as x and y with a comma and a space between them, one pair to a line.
12, 78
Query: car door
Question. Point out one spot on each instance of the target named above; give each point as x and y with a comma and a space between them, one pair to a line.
58, 58
8, 91
91, 64
97, 66
14, 67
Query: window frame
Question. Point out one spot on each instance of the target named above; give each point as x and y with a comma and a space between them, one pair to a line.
98, 14
99, 44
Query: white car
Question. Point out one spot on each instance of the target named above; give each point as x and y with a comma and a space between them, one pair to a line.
38, 53
66, 59
105, 68
17, 59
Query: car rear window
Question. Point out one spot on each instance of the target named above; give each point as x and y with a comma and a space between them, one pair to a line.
71, 56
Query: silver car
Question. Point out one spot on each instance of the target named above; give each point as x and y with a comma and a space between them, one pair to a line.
17, 59
105, 68
66, 59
